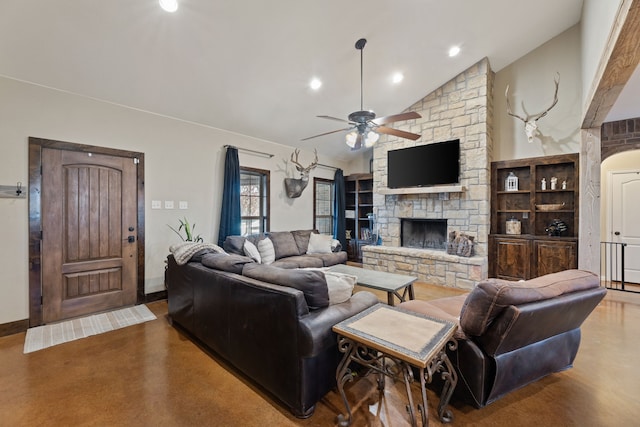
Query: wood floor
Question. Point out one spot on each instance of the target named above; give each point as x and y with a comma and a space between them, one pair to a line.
151, 375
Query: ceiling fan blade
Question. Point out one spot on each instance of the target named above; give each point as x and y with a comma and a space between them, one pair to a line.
334, 118
396, 118
326, 133
397, 132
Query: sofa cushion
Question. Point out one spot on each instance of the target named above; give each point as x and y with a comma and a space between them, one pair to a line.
267, 252
232, 263
312, 283
490, 297
319, 244
300, 261
302, 239
331, 259
284, 244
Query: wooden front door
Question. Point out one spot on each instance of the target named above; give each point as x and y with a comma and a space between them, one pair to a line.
89, 229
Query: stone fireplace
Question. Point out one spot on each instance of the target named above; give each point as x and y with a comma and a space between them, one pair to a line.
423, 233
460, 109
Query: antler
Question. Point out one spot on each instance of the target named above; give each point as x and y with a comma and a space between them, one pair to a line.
299, 167
555, 98
541, 115
506, 95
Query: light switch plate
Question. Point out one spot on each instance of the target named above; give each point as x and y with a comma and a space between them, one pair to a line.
183, 204
156, 204
168, 204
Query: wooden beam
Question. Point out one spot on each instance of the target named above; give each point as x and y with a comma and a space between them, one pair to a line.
624, 58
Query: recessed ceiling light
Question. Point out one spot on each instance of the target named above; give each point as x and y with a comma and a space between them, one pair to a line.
169, 5
454, 51
397, 78
315, 84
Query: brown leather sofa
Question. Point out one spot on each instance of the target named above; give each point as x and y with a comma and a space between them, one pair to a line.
513, 333
272, 324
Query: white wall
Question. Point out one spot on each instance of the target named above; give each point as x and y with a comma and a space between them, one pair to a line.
183, 161
531, 89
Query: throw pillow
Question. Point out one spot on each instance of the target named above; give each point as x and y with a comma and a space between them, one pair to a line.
336, 246
234, 244
284, 244
340, 286
319, 244
251, 251
267, 252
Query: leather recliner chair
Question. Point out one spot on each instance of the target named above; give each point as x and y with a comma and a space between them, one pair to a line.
511, 334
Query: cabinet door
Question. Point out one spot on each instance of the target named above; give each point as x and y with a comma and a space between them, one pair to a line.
512, 258
553, 256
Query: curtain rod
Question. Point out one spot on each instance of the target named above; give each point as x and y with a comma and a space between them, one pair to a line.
247, 150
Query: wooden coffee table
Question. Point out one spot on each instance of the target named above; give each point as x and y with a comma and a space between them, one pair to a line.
391, 283
391, 342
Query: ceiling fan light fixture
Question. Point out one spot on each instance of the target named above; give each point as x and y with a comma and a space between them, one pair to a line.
371, 139
351, 138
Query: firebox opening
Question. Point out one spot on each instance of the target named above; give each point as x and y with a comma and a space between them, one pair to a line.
423, 233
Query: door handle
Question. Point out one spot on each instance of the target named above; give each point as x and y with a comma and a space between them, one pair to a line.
617, 233
131, 239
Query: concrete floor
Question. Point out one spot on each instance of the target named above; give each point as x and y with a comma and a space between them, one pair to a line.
152, 375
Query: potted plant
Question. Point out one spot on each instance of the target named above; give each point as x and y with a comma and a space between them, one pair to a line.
188, 231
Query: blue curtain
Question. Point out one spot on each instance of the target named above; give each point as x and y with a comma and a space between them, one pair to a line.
339, 205
230, 213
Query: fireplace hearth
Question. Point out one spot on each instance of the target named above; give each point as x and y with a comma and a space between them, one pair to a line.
423, 233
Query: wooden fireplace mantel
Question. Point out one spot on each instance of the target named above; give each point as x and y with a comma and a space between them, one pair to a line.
423, 190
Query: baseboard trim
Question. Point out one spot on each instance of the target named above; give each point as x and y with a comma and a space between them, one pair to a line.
155, 296
14, 327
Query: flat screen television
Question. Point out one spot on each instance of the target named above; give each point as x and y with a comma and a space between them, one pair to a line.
424, 165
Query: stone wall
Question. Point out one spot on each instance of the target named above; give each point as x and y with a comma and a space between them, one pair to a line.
460, 109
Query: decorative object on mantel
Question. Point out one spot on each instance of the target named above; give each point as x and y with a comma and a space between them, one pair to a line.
564, 184
543, 184
556, 228
460, 244
364, 126
12, 191
554, 182
511, 183
530, 123
294, 187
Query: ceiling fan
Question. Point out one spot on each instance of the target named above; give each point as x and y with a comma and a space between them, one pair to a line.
364, 126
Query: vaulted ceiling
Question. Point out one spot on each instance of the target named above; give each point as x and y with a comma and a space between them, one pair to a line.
245, 65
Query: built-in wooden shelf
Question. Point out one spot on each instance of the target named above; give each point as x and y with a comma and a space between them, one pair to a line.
423, 190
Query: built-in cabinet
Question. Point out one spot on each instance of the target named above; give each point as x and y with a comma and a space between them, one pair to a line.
547, 214
359, 204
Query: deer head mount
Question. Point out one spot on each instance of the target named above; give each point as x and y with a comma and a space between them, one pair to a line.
294, 187
530, 123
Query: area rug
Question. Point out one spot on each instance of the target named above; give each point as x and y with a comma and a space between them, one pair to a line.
57, 333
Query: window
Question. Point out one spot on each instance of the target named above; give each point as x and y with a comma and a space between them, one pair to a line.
254, 201
323, 205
